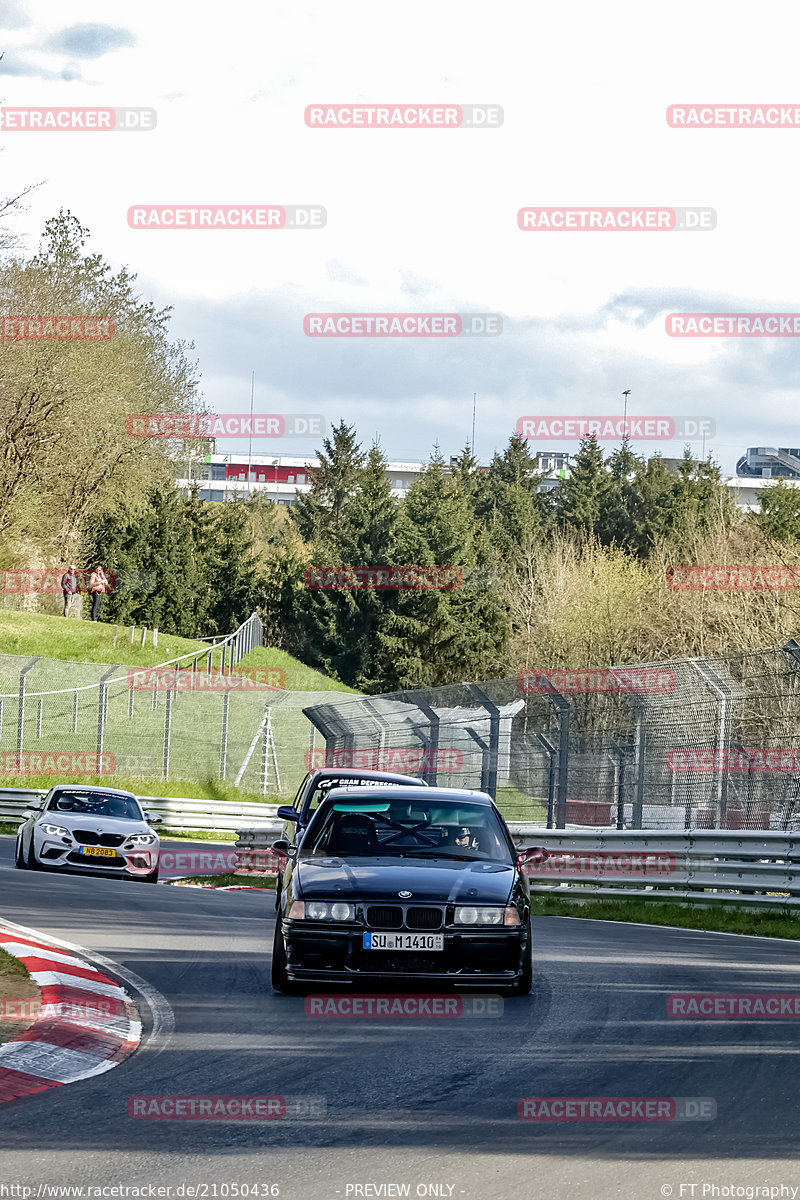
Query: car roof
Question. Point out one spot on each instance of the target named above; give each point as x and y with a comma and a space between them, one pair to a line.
354, 773
431, 793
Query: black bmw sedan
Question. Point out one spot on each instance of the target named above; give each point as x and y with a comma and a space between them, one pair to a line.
407, 884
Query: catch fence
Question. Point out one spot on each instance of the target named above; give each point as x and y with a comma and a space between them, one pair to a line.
710, 742
697, 743
202, 718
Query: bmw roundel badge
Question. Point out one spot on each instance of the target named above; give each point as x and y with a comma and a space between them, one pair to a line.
404, 895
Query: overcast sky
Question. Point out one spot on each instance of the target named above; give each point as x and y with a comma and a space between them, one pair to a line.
426, 220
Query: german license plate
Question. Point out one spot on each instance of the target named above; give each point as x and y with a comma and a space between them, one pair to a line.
98, 851
403, 941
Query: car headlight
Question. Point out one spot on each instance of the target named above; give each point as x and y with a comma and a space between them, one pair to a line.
141, 839
321, 910
55, 831
482, 916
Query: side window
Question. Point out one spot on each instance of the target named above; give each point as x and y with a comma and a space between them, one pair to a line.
301, 792
316, 798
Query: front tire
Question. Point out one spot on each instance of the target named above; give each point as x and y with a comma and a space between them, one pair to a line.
19, 861
31, 863
525, 982
280, 980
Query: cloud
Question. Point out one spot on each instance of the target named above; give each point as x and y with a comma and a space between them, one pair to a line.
90, 41
13, 15
417, 392
22, 68
339, 272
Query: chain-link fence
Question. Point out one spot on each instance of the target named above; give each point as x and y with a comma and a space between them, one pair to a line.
708, 742
190, 719
693, 743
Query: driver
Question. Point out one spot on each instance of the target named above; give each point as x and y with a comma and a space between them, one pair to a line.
466, 838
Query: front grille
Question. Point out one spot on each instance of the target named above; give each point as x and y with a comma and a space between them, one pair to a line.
87, 837
423, 918
385, 916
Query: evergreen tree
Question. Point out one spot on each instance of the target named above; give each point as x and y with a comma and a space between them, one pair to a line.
438, 636
152, 553
342, 628
779, 513
701, 503
620, 517
323, 512
579, 498
509, 501
236, 586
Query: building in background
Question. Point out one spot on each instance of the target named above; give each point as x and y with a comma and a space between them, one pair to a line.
282, 478
279, 478
766, 462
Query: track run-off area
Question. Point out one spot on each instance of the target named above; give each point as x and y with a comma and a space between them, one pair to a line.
414, 1107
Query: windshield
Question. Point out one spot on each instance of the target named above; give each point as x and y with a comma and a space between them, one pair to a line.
97, 804
409, 829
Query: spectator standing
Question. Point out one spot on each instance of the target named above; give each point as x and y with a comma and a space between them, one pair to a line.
98, 586
69, 588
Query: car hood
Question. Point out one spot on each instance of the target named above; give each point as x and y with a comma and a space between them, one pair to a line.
97, 824
438, 880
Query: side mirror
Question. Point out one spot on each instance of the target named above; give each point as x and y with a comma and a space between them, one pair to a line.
34, 807
281, 847
287, 813
531, 858
153, 820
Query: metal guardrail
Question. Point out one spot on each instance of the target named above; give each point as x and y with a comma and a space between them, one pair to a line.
211, 816
701, 866
759, 869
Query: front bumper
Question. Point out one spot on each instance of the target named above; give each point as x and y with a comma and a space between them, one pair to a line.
56, 854
336, 955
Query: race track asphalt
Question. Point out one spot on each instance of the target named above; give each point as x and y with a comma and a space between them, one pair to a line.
411, 1102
